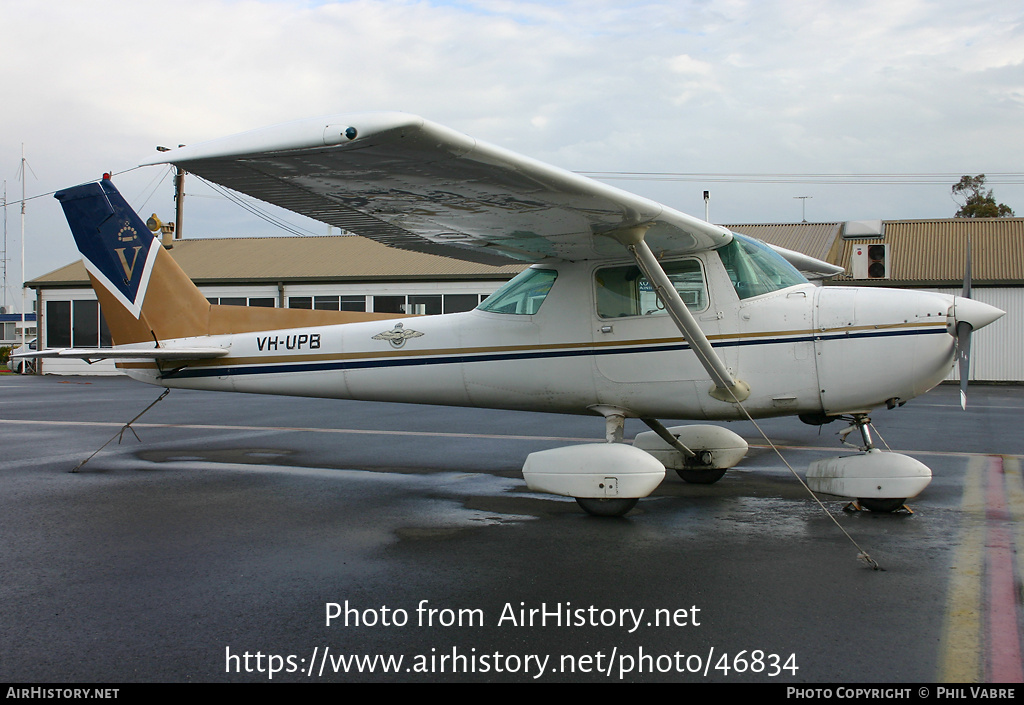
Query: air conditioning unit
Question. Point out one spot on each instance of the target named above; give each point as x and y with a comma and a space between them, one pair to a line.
870, 261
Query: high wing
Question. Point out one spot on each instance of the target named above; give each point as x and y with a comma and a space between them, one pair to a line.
413, 184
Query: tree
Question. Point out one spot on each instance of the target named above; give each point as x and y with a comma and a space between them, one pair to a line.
975, 201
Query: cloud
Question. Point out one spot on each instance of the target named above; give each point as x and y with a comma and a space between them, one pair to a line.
798, 87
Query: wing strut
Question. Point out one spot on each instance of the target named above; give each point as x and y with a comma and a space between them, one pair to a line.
726, 388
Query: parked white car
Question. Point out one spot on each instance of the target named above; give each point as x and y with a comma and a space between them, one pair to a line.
15, 365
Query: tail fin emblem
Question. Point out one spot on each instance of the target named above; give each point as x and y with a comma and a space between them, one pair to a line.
127, 233
105, 229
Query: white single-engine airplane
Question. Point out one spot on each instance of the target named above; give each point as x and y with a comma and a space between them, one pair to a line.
631, 309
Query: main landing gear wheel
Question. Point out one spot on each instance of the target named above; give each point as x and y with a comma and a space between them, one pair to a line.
701, 477
598, 507
882, 506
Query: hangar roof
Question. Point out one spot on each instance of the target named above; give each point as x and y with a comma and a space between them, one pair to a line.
934, 252
921, 253
310, 259
814, 239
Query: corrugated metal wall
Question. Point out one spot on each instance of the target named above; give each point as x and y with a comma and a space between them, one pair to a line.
997, 351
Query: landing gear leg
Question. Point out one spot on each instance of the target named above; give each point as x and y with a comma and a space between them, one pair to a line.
614, 426
861, 422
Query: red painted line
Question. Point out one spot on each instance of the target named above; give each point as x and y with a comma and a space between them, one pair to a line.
1004, 652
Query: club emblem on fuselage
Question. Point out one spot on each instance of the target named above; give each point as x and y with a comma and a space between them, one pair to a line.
398, 335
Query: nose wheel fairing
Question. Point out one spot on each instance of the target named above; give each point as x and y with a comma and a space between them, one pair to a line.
881, 482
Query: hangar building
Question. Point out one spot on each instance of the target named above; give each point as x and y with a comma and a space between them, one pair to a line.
356, 274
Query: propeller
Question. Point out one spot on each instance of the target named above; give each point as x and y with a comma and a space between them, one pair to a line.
963, 335
968, 316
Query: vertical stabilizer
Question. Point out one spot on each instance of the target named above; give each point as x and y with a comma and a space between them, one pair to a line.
144, 294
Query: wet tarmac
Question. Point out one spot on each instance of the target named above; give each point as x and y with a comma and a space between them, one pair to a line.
251, 538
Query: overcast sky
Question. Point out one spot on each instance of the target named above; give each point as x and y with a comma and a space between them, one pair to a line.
723, 87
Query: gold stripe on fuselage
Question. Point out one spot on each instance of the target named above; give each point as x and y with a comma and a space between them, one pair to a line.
776, 336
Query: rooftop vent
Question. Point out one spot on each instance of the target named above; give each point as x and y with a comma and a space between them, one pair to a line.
857, 229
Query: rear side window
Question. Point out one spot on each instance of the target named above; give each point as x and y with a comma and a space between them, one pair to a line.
523, 295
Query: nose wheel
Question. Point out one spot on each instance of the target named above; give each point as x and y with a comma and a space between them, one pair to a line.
882, 506
606, 507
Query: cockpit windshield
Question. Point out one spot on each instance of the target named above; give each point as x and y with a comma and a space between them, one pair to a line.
523, 295
755, 269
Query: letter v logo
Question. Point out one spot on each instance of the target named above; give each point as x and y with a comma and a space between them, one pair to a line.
128, 269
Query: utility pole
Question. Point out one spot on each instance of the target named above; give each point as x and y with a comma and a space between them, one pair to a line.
179, 200
803, 207
179, 194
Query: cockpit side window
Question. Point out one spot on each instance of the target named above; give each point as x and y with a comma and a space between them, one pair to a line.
523, 295
755, 269
624, 291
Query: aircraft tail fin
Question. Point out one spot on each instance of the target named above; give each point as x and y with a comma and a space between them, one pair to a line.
144, 294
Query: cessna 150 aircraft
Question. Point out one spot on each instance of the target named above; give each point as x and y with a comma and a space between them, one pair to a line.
631, 309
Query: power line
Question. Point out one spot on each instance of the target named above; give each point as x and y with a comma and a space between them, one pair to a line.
915, 179
256, 210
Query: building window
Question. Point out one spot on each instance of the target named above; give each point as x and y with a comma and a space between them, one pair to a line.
85, 324
389, 304
353, 303
76, 324
326, 303
261, 301
457, 303
300, 302
58, 324
429, 303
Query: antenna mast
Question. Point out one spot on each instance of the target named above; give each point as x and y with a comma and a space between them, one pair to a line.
24, 176
3, 255
803, 207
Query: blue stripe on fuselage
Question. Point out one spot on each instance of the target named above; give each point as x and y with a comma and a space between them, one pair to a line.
279, 368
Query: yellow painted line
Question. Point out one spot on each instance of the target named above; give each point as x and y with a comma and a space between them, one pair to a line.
961, 645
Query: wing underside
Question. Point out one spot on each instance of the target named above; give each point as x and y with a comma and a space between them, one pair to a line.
416, 185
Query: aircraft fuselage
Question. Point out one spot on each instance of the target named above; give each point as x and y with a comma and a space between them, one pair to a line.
803, 349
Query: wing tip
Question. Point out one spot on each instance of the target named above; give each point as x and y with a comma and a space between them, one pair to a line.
327, 130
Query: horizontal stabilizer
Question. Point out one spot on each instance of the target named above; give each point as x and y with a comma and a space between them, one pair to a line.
129, 353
